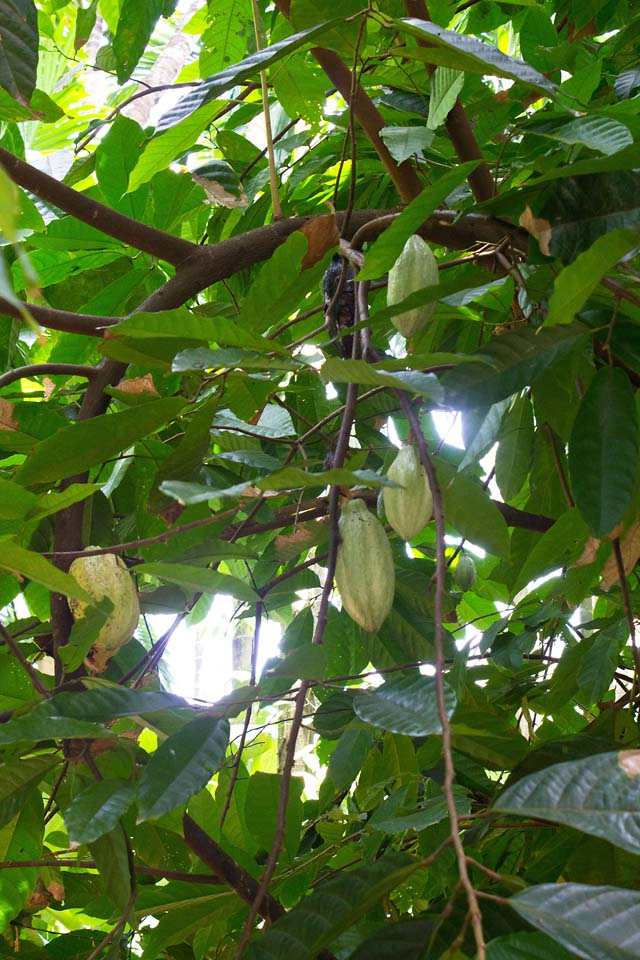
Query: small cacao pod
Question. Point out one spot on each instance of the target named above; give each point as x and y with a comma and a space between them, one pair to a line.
415, 269
105, 575
465, 572
365, 573
408, 506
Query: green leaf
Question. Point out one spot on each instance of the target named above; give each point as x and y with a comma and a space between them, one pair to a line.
111, 854
576, 283
509, 363
597, 133
199, 578
213, 86
261, 809
405, 704
560, 545
97, 809
515, 448
19, 43
75, 448
526, 946
598, 795
359, 371
597, 923
446, 84
182, 765
473, 55
470, 510
135, 26
388, 247
18, 777
27, 563
603, 450
334, 906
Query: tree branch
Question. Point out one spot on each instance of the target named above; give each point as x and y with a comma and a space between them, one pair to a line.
47, 370
457, 124
62, 320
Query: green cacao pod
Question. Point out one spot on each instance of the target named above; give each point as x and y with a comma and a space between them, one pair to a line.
415, 269
408, 506
105, 575
365, 574
465, 572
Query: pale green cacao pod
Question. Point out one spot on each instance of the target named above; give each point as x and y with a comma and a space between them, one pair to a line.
415, 269
408, 506
365, 574
465, 572
105, 575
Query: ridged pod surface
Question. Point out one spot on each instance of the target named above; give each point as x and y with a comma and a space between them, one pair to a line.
105, 575
465, 572
415, 269
408, 506
365, 573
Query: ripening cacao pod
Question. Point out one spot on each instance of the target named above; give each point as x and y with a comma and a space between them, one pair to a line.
408, 506
415, 269
365, 574
465, 572
105, 575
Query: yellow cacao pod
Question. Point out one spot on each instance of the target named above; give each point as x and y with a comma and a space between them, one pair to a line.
365, 574
465, 572
408, 506
105, 575
415, 269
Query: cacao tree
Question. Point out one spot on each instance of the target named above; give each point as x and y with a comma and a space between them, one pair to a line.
218, 220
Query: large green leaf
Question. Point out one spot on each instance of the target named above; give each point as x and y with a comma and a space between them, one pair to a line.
515, 447
213, 86
597, 923
19, 776
510, 363
526, 946
467, 53
332, 908
19, 43
405, 704
603, 450
598, 795
182, 765
470, 510
28, 563
386, 250
577, 281
97, 809
199, 578
75, 448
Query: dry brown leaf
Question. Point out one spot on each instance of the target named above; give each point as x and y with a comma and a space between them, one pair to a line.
630, 762
538, 228
138, 385
217, 196
7, 419
630, 550
322, 234
48, 387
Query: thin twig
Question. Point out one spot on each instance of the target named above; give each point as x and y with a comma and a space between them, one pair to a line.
628, 609
449, 770
28, 668
247, 717
279, 835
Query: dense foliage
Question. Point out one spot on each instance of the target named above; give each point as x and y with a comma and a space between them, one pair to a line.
175, 181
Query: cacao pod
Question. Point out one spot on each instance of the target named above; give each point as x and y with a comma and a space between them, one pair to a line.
365, 573
465, 572
415, 269
105, 575
408, 506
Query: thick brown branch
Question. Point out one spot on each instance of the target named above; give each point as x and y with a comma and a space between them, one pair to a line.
403, 175
211, 854
62, 320
47, 370
156, 242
